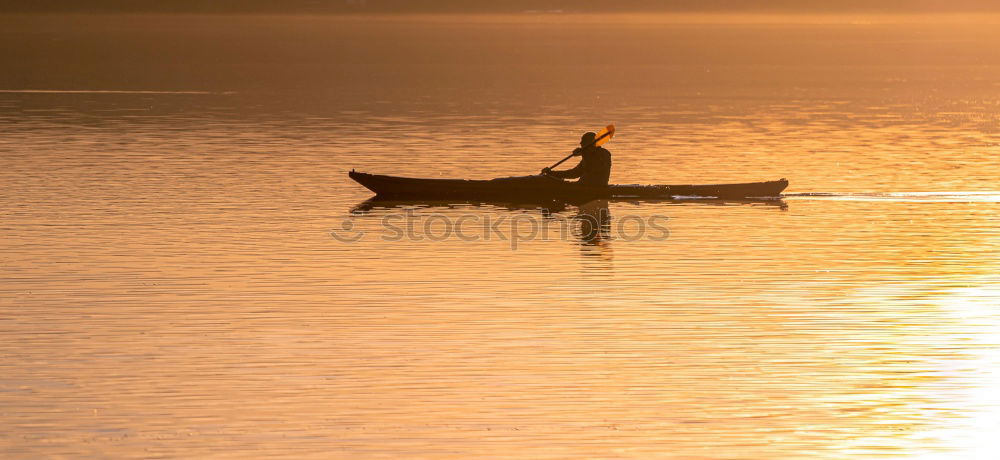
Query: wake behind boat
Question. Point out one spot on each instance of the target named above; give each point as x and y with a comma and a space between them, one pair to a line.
544, 187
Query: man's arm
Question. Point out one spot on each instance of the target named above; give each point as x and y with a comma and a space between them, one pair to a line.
573, 173
577, 171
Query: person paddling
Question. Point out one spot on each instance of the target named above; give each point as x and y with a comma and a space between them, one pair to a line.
594, 168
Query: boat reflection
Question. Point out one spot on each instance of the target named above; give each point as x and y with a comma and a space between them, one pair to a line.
594, 230
588, 225
594, 223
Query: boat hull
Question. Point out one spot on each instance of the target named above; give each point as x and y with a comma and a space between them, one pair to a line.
548, 188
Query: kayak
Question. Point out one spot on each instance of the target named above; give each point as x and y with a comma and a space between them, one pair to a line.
376, 203
547, 187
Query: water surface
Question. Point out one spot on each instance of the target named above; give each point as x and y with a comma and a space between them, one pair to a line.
171, 287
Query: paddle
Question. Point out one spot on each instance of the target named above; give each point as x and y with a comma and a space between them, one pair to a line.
603, 136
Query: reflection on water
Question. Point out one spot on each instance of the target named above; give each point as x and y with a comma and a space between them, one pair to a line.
595, 229
171, 287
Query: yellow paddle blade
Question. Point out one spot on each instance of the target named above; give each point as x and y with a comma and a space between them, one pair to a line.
605, 135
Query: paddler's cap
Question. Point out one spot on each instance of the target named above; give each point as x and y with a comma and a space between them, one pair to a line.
588, 138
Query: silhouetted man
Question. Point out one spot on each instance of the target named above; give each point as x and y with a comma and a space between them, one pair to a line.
594, 168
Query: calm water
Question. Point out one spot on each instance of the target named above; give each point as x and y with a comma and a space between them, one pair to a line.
171, 288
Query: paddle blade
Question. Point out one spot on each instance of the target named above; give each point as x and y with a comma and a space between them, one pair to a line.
605, 135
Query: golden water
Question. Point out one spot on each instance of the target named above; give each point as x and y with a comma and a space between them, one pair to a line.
169, 285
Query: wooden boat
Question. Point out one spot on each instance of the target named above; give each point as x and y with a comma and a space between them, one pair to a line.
534, 188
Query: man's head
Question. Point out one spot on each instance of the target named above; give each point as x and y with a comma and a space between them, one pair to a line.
587, 139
